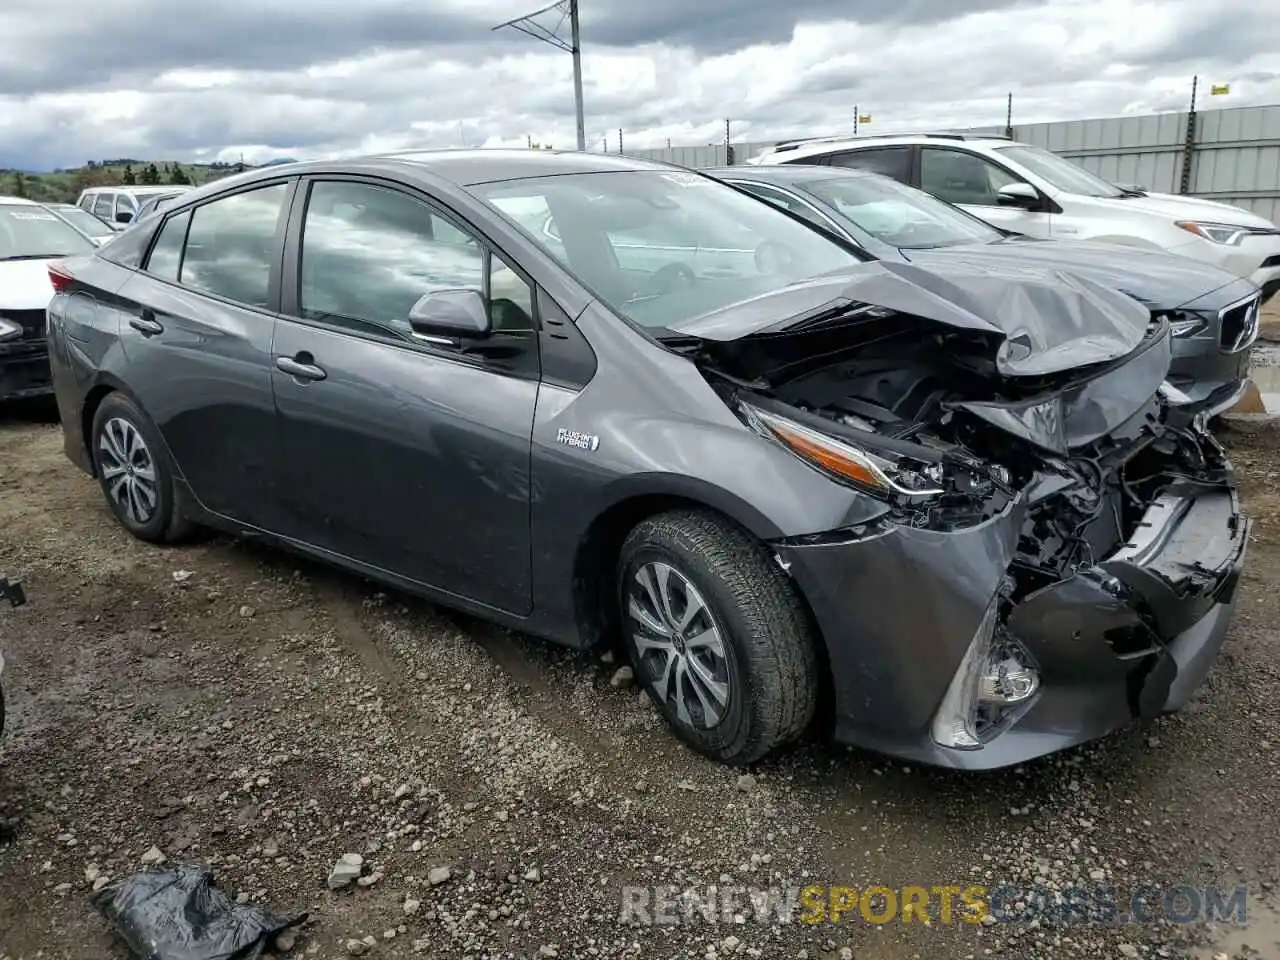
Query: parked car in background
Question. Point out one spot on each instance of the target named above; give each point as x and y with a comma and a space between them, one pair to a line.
97, 230
154, 203
1020, 187
1213, 314
30, 236
957, 501
119, 205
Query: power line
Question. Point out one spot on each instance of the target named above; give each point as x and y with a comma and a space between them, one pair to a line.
530, 27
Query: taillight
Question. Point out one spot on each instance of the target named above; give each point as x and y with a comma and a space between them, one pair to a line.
60, 277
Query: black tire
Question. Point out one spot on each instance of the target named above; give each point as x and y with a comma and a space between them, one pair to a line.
770, 655
165, 523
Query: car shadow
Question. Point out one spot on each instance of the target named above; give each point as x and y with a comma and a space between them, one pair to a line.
27, 412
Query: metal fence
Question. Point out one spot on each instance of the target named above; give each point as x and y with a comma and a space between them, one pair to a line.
1233, 154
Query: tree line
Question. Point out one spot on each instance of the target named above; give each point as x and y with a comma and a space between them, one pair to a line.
65, 186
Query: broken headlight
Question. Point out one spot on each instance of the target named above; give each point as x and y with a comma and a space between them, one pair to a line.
873, 473
994, 683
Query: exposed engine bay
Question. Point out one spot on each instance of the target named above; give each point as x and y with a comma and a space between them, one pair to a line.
950, 442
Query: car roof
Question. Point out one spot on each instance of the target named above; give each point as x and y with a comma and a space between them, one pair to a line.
821, 145
788, 173
466, 167
21, 201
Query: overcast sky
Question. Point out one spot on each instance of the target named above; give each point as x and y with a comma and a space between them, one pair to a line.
202, 80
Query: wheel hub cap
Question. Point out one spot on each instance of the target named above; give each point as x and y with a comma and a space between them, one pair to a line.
679, 645
128, 470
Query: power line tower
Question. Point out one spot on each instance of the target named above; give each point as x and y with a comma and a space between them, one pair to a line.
530, 26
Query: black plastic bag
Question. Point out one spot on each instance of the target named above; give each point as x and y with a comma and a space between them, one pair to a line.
179, 914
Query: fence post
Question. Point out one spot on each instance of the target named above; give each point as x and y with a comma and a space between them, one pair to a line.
1189, 146
728, 147
619, 139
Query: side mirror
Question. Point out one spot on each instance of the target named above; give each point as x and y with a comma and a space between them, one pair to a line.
450, 315
124, 216
1022, 195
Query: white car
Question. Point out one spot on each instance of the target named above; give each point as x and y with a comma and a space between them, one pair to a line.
1023, 188
30, 236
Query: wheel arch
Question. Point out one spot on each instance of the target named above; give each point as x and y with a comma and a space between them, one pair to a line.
596, 558
107, 384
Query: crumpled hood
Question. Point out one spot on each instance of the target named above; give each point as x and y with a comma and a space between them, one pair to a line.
1161, 281
1042, 320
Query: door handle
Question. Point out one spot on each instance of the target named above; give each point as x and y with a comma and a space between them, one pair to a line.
146, 323
301, 366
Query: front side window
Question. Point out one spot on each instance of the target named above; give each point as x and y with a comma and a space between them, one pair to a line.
231, 245
369, 253
664, 247
102, 206
957, 176
899, 215
1059, 171
892, 162
29, 232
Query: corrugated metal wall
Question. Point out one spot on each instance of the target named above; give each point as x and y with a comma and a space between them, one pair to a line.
1236, 158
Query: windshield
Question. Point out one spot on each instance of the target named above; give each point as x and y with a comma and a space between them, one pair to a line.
900, 215
1060, 172
660, 247
85, 220
30, 232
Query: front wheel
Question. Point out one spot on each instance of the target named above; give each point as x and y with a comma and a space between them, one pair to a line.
135, 473
717, 635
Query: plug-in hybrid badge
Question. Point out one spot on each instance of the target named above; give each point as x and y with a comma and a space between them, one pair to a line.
572, 438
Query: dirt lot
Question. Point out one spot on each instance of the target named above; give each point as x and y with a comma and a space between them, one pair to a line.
233, 706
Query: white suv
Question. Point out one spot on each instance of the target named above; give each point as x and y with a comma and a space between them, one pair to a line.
119, 205
1020, 187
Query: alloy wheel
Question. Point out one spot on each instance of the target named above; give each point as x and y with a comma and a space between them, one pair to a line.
128, 470
679, 645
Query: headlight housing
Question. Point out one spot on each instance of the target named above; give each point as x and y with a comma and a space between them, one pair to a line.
1226, 233
881, 475
9, 330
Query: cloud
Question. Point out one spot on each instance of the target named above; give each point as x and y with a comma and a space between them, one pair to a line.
183, 80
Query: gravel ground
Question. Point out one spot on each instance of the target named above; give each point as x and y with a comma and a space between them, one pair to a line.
231, 705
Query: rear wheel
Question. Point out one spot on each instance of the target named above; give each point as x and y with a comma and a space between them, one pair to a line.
717, 635
135, 473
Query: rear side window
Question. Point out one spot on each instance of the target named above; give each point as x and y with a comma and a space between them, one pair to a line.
231, 245
165, 261
892, 162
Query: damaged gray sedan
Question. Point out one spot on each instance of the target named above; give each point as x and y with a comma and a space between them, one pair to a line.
954, 513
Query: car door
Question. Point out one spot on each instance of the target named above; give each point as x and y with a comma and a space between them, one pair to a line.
973, 182
406, 453
200, 318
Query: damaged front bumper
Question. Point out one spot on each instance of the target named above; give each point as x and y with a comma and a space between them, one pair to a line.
904, 609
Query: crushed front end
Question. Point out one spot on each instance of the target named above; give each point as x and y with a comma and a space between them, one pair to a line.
1057, 553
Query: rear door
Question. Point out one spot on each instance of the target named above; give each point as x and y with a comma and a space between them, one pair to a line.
200, 318
401, 452
895, 162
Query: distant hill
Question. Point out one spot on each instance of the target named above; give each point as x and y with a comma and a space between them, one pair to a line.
64, 186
